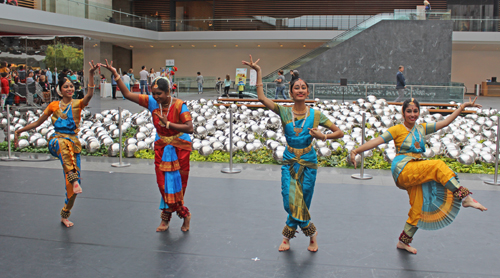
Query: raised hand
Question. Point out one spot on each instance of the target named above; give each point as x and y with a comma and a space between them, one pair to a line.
472, 103
93, 67
110, 67
252, 64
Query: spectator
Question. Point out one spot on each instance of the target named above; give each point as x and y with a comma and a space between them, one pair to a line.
30, 79
126, 80
22, 74
152, 76
199, 80
45, 88
103, 78
227, 84
241, 88
48, 74
5, 88
143, 81
280, 85
400, 84
427, 9
113, 87
132, 77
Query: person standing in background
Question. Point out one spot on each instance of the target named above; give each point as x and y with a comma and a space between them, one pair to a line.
199, 80
427, 9
280, 85
144, 80
152, 76
400, 84
241, 88
113, 87
227, 84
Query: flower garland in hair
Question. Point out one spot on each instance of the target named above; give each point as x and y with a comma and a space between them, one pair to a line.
155, 82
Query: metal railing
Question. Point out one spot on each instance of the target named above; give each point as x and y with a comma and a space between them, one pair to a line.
424, 93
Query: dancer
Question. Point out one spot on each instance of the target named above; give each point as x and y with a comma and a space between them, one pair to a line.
298, 174
172, 121
434, 191
64, 144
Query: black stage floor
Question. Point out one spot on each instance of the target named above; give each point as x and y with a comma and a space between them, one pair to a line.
235, 229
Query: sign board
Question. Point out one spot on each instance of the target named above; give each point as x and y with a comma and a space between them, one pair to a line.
241, 73
253, 77
170, 62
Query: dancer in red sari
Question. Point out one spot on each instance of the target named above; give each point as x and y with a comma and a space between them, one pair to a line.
173, 124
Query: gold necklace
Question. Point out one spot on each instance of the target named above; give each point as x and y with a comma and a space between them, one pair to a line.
64, 115
299, 112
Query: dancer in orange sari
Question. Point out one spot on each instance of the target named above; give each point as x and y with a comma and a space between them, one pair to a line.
64, 143
173, 124
434, 190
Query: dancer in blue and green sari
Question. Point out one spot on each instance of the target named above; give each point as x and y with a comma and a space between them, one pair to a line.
64, 143
298, 174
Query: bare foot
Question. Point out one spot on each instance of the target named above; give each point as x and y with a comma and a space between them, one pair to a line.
406, 247
77, 189
313, 243
185, 225
470, 202
163, 226
66, 222
285, 245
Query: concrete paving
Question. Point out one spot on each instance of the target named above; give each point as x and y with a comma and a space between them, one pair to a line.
235, 229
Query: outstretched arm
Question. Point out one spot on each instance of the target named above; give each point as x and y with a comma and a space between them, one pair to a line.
454, 115
260, 90
366, 146
119, 82
91, 85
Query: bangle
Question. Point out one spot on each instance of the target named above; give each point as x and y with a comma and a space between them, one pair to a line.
168, 124
325, 138
259, 85
116, 78
90, 87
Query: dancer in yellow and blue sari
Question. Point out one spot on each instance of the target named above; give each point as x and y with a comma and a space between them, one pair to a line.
64, 143
434, 190
298, 174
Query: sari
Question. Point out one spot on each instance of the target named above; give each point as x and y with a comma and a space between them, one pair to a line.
430, 184
65, 145
172, 150
300, 164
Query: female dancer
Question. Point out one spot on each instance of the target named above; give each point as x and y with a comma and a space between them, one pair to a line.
172, 121
433, 188
298, 174
64, 144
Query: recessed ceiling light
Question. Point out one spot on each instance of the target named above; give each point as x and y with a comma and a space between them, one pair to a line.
281, 45
172, 46
151, 45
236, 45
192, 45
131, 46
304, 45
215, 45
258, 45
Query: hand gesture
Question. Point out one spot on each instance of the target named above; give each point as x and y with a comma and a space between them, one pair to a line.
252, 64
472, 103
163, 119
93, 67
314, 132
353, 158
110, 67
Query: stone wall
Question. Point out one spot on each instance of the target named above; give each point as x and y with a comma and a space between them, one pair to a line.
423, 47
